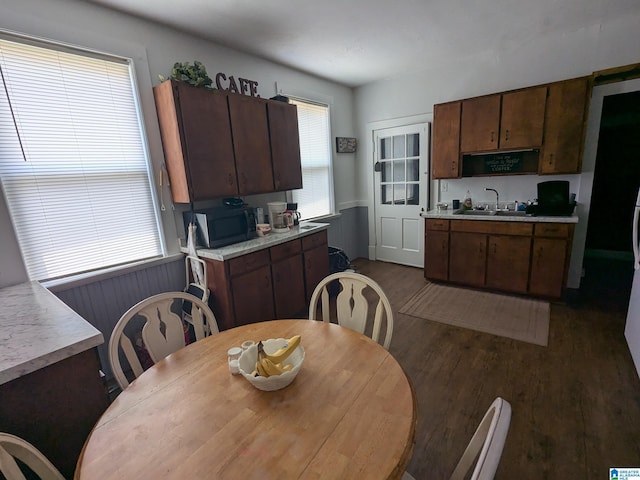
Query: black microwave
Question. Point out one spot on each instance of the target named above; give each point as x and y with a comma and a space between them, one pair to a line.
220, 226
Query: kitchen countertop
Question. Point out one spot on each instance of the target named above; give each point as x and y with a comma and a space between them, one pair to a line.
255, 244
38, 329
452, 215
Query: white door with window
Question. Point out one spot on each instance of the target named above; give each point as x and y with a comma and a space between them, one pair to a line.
400, 186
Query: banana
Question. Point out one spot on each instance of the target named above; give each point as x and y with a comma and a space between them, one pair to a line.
260, 368
281, 354
275, 369
270, 367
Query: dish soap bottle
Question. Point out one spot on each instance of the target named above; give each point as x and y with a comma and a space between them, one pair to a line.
467, 205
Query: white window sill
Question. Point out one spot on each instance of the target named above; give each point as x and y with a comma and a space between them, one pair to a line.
81, 279
331, 216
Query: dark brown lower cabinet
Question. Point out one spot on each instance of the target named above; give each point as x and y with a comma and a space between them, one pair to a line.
468, 258
436, 249
287, 273
520, 257
550, 258
276, 282
55, 407
508, 263
316, 261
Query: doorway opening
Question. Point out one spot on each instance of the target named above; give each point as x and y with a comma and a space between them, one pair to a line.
400, 192
608, 259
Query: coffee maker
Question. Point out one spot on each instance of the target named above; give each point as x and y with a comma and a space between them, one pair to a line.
292, 208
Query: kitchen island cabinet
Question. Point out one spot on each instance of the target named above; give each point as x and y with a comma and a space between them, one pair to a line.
51, 388
525, 255
266, 277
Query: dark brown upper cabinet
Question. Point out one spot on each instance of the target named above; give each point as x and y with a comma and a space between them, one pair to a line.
220, 144
446, 140
565, 122
285, 145
196, 137
480, 124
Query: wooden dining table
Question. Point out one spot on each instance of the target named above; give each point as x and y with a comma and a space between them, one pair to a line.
349, 413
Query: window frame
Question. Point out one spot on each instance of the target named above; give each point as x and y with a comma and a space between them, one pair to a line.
331, 187
110, 270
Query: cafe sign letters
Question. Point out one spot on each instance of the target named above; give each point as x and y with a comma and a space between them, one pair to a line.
241, 85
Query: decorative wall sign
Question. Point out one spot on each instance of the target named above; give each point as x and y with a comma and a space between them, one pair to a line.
243, 86
512, 163
345, 145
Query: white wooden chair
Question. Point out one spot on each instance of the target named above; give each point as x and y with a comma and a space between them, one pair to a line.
162, 332
352, 307
486, 445
12, 447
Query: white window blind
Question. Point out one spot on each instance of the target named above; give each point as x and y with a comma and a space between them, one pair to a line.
73, 161
315, 199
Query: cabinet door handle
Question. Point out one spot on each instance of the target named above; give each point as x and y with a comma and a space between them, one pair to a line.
506, 135
230, 180
444, 245
493, 136
551, 159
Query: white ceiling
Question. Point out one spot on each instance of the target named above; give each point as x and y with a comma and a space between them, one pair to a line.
354, 42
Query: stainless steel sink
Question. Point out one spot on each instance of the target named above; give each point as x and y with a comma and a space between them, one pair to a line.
475, 212
510, 213
498, 213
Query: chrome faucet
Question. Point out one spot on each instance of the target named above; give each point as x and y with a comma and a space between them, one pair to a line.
497, 195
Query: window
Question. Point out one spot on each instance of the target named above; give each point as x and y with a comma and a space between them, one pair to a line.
73, 160
315, 199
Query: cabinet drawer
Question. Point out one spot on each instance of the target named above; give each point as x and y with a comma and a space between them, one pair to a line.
555, 230
246, 263
437, 224
285, 250
315, 240
489, 226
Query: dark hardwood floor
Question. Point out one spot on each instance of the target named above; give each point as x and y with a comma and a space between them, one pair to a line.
576, 403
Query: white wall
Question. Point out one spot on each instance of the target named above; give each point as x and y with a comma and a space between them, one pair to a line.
541, 59
155, 49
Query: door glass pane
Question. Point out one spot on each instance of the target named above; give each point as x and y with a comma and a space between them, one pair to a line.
398, 171
386, 194
413, 167
413, 145
385, 148
386, 171
398, 146
413, 194
398, 194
